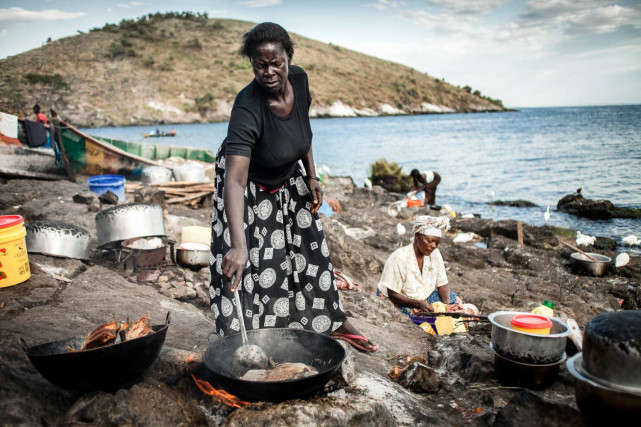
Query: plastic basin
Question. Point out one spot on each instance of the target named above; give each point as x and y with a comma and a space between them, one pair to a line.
100, 184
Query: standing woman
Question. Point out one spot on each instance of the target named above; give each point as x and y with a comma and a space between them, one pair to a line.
267, 238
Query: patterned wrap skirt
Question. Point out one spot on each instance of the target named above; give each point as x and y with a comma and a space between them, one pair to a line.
288, 281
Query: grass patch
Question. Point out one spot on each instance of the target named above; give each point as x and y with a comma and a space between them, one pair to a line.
54, 80
562, 231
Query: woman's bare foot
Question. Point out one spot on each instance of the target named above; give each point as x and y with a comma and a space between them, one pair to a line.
347, 329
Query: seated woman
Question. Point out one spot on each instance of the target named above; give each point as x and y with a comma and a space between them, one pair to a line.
414, 275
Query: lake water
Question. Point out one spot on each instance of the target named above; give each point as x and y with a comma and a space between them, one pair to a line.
535, 154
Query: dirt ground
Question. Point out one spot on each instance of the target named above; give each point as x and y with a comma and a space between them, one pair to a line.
66, 298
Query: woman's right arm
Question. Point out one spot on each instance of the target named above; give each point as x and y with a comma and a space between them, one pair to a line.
403, 301
236, 171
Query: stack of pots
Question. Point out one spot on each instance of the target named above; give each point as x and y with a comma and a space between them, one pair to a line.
608, 371
523, 358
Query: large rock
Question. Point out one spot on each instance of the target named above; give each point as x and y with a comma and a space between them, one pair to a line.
358, 411
527, 409
578, 205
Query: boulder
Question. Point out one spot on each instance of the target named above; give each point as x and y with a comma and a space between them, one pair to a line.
108, 198
578, 205
420, 378
527, 408
515, 203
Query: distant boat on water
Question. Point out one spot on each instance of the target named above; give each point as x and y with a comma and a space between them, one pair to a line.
94, 155
159, 134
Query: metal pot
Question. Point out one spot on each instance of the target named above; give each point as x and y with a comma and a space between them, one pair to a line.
156, 175
582, 264
58, 238
611, 350
281, 345
104, 368
528, 375
598, 400
141, 258
128, 221
194, 259
526, 347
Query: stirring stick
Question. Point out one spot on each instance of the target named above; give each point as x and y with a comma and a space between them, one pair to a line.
591, 258
239, 310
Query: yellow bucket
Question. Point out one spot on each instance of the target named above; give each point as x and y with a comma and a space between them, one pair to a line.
14, 262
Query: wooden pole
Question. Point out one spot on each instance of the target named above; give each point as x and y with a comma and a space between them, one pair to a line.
519, 232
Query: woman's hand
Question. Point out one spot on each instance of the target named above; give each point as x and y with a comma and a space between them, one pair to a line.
317, 193
425, 306
234, 263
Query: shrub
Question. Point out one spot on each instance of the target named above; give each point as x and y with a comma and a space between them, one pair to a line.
194, 43
383, 167
54, 80
148, 62
203, 104
165, 66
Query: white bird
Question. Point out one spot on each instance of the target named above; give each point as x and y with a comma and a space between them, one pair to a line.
584, 239
463, 237
631, 240
325, 168
621, 259
368, 183
491, 195
546, 215
400, 229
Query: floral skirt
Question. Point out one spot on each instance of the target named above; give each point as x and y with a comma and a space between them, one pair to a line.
288, 281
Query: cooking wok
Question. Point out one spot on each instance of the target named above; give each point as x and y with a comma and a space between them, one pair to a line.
103, 368
281, 345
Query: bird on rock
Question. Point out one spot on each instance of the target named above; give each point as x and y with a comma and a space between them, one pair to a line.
368, 183
463, 237
546, 215
631, 240
400, 229
491, 195
621, 259
584, 239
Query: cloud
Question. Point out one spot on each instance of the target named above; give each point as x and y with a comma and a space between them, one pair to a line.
18, 15
384, 4
260, 3
579, 17
468, 7
131, 4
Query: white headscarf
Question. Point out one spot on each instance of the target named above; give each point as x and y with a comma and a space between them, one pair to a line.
431, 225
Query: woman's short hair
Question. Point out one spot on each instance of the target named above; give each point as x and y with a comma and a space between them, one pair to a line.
266, 32
36, 108
414, 173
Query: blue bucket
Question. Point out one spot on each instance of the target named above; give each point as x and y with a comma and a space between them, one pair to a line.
100, 184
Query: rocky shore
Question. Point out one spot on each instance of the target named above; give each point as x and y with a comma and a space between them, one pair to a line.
66, 298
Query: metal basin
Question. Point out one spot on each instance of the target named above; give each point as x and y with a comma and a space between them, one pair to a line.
526, 347
58, 238
600, 401
190, 172
127, 221
528, 375
584, 265
156, 175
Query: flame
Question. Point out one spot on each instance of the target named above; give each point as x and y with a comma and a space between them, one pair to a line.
220, 395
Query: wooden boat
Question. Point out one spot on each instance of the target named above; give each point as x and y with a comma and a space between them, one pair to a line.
93, 155
34, 163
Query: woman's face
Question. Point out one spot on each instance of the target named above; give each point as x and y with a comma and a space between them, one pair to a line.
271, 67
426, 244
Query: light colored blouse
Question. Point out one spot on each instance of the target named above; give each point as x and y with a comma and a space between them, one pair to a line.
401, 274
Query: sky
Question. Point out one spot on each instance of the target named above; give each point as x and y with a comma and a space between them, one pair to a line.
528, 53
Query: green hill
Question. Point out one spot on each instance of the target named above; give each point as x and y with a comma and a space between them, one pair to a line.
184, 68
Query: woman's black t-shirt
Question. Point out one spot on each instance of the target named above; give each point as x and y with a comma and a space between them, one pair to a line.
273, 143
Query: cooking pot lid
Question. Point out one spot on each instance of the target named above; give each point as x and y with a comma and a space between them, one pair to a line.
7, 221
531, 321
